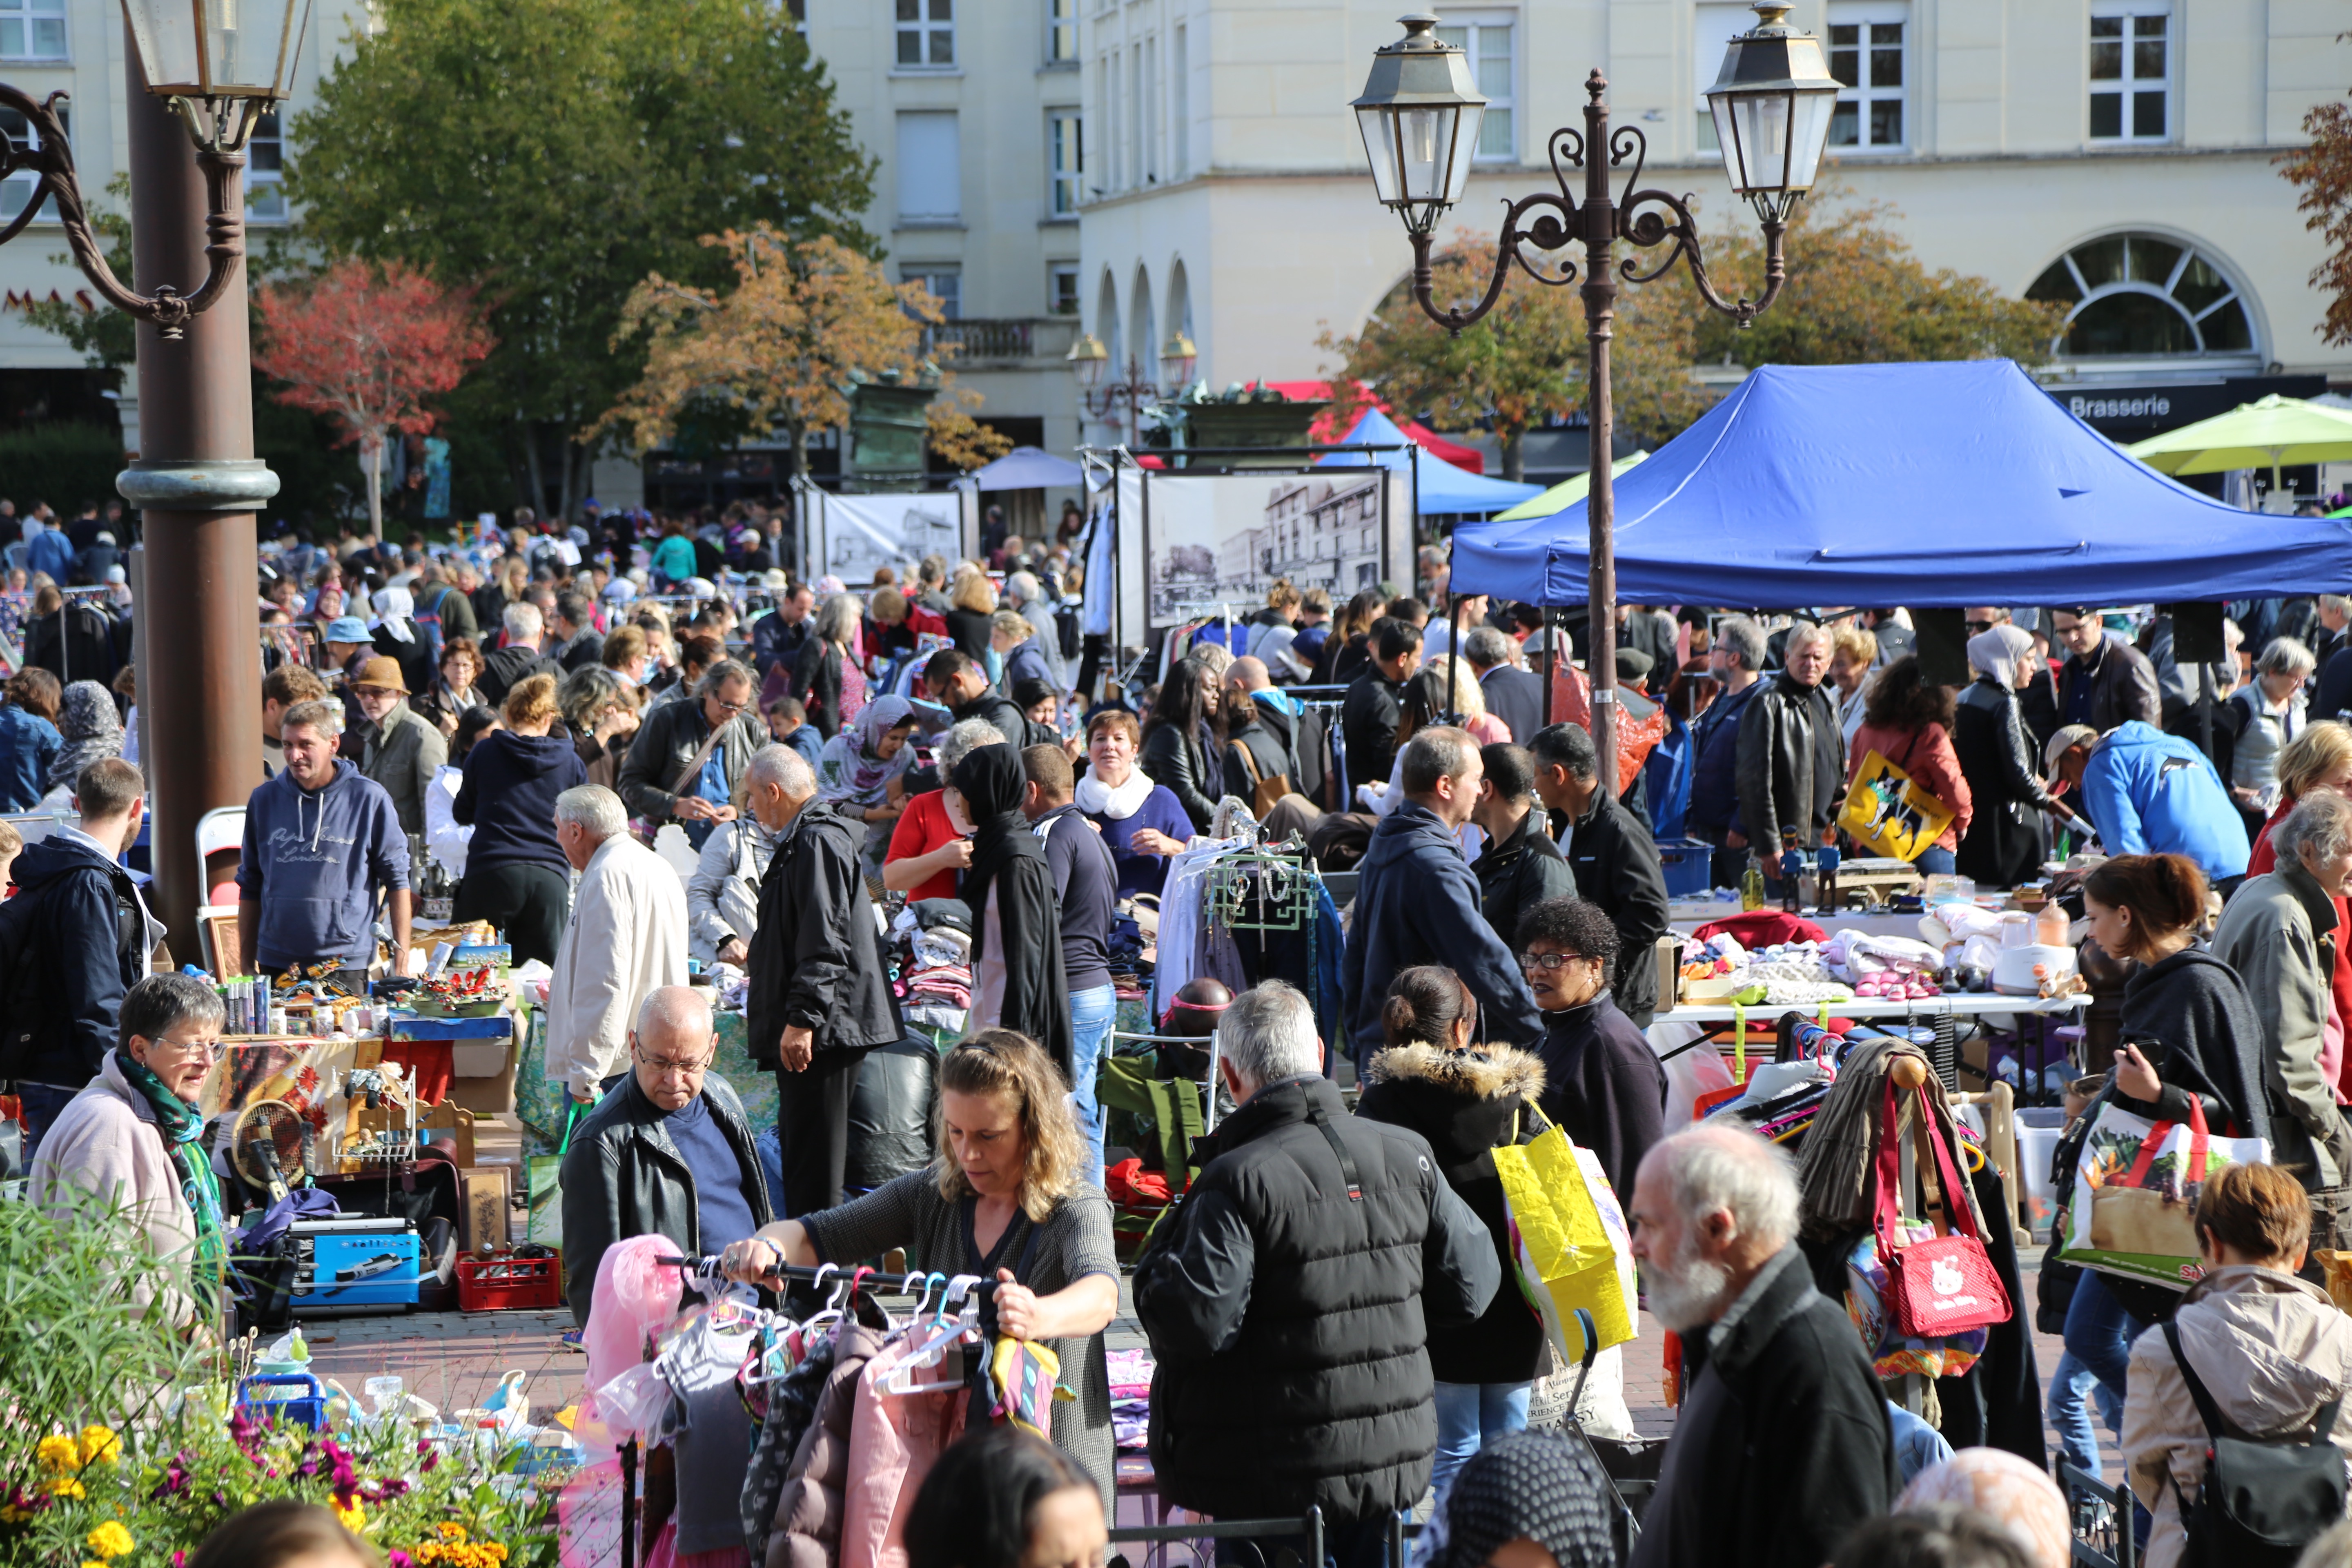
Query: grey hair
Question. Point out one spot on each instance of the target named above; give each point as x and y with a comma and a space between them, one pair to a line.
523, 621
777, 763
2321, 822
1486, 646
2338, 602
2286, 656
965, 738
595, 809
1268, 1033
1440, 752
158, 1002
1717, 1169
723, 673
1803, 634
1024, 583
1744, 639
587, 692
681, 1009
836, 619
323, 714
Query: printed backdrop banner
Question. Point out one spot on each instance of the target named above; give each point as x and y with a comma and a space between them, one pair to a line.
1222, 538
851, 535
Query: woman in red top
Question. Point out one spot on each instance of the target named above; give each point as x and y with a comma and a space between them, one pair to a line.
2319, 758
932, 842
1908, 721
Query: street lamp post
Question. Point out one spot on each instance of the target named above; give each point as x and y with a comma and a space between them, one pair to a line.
1089, 360
201, 71
1419, 114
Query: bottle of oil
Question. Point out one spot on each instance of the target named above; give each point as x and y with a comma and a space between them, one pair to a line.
1751, 885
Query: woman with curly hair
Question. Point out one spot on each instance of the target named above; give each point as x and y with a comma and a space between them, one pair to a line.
1909, 721
1004, 1200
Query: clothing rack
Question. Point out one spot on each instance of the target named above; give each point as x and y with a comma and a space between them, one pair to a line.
708, 1268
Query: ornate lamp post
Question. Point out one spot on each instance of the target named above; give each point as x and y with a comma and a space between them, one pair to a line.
1089, 360
201, 71
1419, 115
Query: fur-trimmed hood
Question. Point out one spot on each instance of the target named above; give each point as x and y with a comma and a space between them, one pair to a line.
1482, 1072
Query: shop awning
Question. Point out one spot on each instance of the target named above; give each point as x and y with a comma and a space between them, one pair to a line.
1925, 484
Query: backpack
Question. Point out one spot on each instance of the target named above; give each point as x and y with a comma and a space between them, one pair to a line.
2260, 1504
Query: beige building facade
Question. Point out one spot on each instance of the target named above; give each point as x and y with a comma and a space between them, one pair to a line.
2115, 155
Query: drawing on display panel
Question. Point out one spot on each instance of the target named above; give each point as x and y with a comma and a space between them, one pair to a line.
897, 531
1225, 539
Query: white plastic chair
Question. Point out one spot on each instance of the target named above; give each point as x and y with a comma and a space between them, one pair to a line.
223, 827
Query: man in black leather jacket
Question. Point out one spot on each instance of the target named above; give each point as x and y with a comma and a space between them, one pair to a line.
667, 1153
1613, 858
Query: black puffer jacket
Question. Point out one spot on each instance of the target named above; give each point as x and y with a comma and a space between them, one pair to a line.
817, 958
624, 1177
1516, 873
1468, 1104
1182, 763
1791, 764
1290, 1318
1615, 863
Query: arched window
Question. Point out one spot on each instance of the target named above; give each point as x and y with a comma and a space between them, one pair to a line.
2144, 296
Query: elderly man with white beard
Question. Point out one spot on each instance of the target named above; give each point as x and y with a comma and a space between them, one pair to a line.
1783, 1444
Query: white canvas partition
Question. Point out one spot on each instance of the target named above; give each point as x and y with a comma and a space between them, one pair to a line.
849, 536
1206, 539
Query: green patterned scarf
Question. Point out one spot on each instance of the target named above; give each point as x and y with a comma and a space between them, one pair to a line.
181, 1125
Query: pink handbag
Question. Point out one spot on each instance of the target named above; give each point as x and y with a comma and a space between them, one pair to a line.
1946, 1285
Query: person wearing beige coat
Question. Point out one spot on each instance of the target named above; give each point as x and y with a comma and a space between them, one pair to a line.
627, 940
2270, 1347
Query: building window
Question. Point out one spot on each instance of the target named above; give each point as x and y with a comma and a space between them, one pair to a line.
931, 167
1866, 57
1062, 287
17, 189
945, 284
1488, 45
265, 170
1062, 31
1066, 162
1714, 25
926, 33
2130, 61
2143, 296
32, 29
1180, 110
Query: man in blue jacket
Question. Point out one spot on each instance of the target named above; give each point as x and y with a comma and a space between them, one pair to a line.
89, 942
321, 841
1736, 659
1417, 901
2148, 792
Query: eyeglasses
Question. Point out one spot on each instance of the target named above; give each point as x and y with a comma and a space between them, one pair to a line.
1548, 962
727, 707
205, 1048
663, 1066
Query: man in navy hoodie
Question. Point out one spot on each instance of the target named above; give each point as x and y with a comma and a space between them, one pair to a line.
90, 942
321, 841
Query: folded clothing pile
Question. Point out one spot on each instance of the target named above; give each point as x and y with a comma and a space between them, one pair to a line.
933, 978
1130, 1398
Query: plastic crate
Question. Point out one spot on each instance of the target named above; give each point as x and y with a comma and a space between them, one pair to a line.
510, 1284
307, 1407
1685, 862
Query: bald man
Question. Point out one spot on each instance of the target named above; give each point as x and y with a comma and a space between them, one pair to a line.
820, 993
667, 1153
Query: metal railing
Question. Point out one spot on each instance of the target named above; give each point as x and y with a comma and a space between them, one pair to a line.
2103, 1542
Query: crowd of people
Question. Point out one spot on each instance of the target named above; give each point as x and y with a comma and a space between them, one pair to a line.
1331, 1308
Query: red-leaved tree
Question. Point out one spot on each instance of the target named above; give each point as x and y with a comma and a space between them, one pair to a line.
367, 346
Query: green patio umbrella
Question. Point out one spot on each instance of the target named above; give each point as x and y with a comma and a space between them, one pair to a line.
2274, 433
1565, 494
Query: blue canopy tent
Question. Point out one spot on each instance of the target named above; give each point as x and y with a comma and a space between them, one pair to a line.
1028, 469
1443, 487
1928, 485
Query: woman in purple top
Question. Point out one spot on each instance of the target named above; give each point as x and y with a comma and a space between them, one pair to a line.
1141, 821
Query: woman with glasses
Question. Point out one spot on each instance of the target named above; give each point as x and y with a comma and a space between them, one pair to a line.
130, 1141
1602, 1083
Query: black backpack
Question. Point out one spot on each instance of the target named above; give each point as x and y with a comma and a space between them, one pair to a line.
2260, 1504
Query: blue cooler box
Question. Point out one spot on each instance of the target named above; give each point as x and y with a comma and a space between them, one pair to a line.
356, 1262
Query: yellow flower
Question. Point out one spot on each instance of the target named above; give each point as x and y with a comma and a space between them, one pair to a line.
354, 1517
111, 1540
60, 1453
451, 1531
100, 1446
63, 1486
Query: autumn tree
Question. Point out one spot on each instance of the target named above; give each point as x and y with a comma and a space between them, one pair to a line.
366, 346
779, 350
2324, 170
1522, 363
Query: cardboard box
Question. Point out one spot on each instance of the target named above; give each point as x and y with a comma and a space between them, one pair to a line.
486, 1195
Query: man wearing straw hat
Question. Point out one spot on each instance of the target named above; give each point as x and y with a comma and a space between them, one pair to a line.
398, 748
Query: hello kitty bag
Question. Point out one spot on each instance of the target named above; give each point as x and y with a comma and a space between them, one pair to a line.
1946, 1285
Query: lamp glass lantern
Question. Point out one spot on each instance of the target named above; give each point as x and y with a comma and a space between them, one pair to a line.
1418, 116
218, 49
1177, 358
1087, 358
1772, 104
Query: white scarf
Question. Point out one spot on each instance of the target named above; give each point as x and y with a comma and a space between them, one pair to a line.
1096, 798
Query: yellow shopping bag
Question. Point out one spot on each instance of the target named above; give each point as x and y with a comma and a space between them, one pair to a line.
1569, 1236
1887, 812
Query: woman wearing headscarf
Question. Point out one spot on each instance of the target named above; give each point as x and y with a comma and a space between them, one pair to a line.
398, 638
2002, 843
90, 729
1535, 1489
862, 772
1018, 982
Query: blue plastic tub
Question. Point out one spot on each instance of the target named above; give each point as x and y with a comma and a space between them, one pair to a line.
1685, 861
291, 1398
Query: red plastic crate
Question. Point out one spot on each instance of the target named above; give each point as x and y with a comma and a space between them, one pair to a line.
510, 1284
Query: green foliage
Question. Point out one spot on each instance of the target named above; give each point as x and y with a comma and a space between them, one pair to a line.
61, 462
556, 152
106, 338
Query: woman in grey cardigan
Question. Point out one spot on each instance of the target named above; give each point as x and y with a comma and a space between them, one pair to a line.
2279, 931
1004, 1200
